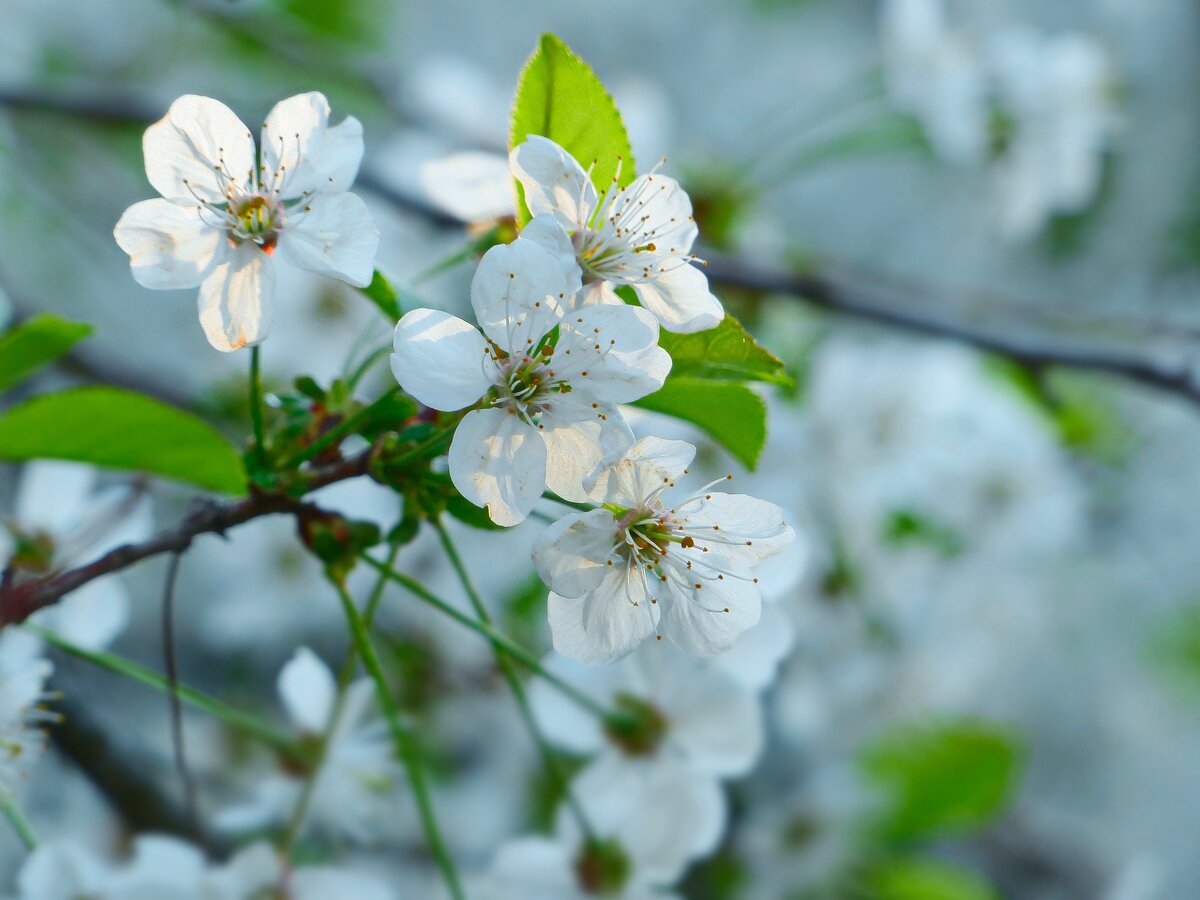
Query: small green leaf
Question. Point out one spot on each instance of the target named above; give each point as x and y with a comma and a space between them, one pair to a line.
560, 97
36, 343
1175, 651
381, 292
731, 413
942, 778
725, 353
121, 429
925, 879
470, 514
908, 527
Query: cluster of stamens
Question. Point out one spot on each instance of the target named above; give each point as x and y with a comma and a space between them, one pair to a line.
621, 242
253, 209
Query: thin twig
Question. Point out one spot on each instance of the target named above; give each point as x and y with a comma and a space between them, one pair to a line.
191, 809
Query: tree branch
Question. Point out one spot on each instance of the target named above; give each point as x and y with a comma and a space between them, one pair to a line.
18, 601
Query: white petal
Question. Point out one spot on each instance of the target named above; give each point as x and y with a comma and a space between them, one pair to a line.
553, 181
314, 157
202, 142
441, 360
718, 723
237, 301
533, 862
665, 815
680, 299
499, 462
335, 237
472, 186
617, 346
574, 553
517, 292
548, 232
563, 721
708, 621
59, 871
757, 522
169, 245
54, 496
579, 435
91, 617
322, 884
604, 625
596, 293
642, 469
307, 689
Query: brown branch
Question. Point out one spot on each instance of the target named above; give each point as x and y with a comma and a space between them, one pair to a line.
18, 601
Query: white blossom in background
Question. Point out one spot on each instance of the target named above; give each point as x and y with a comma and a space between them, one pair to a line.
699, 717
641, 235
354, 789
639, 566
60, 519
551, 376
23, 674
1058, 91
226, 208
659, 819
472, 185
935, 73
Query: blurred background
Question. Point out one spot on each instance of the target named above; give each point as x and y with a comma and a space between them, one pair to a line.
979, 672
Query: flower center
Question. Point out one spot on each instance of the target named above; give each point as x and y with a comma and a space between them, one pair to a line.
256, 218
528, 382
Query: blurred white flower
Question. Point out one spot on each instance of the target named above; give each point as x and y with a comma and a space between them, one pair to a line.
23, 674
354, 787
642, 237
61, 520
937, 75
638, 567
1058, 91
471, 185
554, 376
689, 712
225, 209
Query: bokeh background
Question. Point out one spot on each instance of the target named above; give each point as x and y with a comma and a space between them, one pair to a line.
1001, 555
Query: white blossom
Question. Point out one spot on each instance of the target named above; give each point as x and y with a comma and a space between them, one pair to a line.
358, 774
23, 674
638, 566
641, 235
60, 519
935, 73
550, 376
226, 209
1058, 92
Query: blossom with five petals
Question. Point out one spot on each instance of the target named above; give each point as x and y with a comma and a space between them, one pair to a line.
637, 567
226, 208
642, 236
550, 376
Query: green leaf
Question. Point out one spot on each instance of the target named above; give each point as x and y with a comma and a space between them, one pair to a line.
925, 879
731, 413
725, 353
381, 292
907, 527
121, 429
560, 97
36, 343
1175, 651
942, 778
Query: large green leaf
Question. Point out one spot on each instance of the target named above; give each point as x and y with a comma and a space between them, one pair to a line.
944, 777
121, 429
383, 294
560, 97
729, 412
925, 879
726, 353
36, 343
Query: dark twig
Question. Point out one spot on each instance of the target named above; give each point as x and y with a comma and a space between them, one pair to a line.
176, 708
20, 600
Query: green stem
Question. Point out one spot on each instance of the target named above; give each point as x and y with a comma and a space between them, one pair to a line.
365, 366
256, 408
508, 670
234, 718
300, 811
405, 740
582, 507
339, 431
17, 819
430, 441
501, 641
